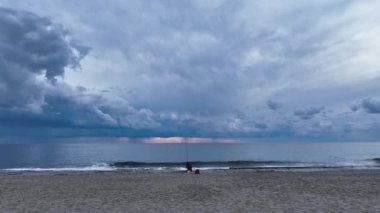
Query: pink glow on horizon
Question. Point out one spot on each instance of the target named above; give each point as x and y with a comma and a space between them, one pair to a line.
162, 140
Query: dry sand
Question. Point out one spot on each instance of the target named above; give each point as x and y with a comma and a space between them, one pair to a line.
217, 191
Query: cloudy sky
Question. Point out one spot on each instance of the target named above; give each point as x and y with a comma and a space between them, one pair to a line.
261, 69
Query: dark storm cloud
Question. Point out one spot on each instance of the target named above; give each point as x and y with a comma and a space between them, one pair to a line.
34, 53
36, 44
32, 48
273, 105
354, 107
308, 113
371, 106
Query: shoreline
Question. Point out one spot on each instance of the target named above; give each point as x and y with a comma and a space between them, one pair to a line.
183, 169
342, 190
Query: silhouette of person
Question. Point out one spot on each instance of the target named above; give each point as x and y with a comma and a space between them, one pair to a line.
189, 167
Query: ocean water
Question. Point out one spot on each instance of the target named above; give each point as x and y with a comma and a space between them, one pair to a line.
110, 156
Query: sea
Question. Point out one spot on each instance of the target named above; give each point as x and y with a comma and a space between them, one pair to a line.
131, 156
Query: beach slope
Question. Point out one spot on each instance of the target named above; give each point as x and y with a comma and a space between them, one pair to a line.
222, 191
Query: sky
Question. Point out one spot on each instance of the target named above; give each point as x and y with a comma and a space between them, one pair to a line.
290, 70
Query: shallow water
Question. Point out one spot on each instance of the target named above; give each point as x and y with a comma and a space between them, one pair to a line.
116, 155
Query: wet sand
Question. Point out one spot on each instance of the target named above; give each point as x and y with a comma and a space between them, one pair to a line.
216, 191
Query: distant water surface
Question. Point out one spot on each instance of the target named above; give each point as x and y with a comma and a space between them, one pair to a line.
123, 156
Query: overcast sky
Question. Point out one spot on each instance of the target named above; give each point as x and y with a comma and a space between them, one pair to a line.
264, 69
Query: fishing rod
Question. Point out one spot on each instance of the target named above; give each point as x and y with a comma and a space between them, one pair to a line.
187, 151
189, 167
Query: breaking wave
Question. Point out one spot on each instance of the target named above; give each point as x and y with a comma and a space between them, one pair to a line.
95, 167
211, 165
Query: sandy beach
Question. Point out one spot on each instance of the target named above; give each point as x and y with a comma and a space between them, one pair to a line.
216, 191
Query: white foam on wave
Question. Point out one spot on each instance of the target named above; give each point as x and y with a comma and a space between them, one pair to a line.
106, 167
212, 168
154, 168
358, 164
96, 167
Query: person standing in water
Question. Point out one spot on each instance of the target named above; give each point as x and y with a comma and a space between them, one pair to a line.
189, 166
